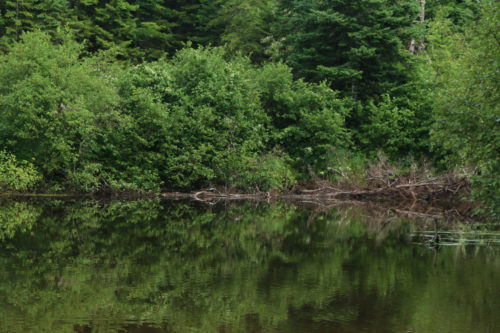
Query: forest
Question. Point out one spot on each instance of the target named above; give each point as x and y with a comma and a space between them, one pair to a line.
255, 95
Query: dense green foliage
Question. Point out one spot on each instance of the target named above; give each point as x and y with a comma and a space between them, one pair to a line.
53, 108
152, 94
183, 122
468, 99
15, 176
357, 45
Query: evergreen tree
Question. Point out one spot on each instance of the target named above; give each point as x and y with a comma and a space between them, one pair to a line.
105, 24
153, 33
208, 30
459, 12
18, 16
140, 29
246, 24
51, 14
358, 45
184, 16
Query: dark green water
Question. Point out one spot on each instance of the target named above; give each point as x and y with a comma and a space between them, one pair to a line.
147, 266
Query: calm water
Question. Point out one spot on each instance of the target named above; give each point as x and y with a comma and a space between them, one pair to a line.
151, 266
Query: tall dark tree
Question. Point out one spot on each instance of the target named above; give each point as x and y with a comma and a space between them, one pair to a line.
460, 12
153, 34
140, 29
208, 29
18, 16
246, 24
185, 18
358, 45
105, 24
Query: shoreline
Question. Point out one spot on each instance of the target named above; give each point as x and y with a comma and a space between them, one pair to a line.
431, 190
432, 198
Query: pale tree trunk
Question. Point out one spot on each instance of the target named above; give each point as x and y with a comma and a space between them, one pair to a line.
412, 43
422, 18
411, 46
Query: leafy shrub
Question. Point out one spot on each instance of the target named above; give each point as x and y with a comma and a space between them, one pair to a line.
307, 119
267, 172
220, 114
398, 122
200, 118
486, 189
467, 123
53, 106
17, 176
65, 113
342, 165
388, 127
209, 114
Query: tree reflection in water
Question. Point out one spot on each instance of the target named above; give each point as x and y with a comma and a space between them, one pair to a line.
144, 266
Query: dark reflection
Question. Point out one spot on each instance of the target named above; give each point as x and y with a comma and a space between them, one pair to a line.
147, 266
432, 243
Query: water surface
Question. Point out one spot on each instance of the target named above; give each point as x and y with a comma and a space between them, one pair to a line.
151, 266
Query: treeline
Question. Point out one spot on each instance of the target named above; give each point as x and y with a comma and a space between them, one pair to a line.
152, 94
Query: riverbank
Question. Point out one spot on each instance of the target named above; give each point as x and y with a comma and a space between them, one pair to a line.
433, 197
426, 197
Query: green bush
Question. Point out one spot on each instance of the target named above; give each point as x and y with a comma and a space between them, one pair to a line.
467, 104
307, 119
202, 117
342, 165
207, 115
388, 127
267, 172
221, 117
66, 113
53, 106
17, 176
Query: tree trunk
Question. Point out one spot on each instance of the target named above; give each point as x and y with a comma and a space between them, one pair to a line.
412, 43
422, 18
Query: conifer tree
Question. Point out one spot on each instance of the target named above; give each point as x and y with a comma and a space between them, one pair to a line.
18, 16
208, 28
105, 24
141, 29
358, 45
246, 24
153, 33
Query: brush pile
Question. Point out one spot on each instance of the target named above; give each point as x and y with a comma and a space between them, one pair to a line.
433, 189
383, 183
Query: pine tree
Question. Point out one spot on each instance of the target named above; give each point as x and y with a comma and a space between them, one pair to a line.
105, 24
51, 14
246, 24
358, 45
208, 28
141, 29
153, 34
185, 19
18, 16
